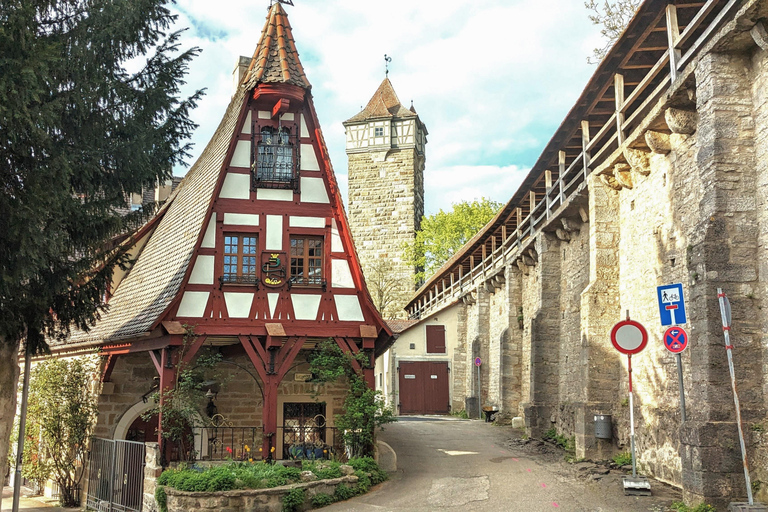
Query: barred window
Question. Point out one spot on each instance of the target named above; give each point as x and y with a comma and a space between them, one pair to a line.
307, 260
239, 259
275, 159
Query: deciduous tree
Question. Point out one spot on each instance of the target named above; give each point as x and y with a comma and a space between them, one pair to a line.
614, 17
78, 131
444, 233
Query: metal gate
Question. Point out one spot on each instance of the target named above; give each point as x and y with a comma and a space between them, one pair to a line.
116, 475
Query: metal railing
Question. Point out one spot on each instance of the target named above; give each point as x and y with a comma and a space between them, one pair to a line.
596, 150
275, 158
289, 442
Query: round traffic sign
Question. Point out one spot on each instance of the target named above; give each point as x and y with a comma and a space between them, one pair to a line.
675, 339
478, 361
629, 337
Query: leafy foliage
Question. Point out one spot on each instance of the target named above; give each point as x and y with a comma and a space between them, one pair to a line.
364, 408
61, 413
293, 500
622, 459
679, 506
444, 233
180, 405
383, 282
321, 499
614, 17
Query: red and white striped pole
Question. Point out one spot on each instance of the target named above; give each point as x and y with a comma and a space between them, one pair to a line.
725, 315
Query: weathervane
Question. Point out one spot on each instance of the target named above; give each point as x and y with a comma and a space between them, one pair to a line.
387, 60
286, 2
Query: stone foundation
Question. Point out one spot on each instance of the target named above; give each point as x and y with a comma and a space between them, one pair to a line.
256, 500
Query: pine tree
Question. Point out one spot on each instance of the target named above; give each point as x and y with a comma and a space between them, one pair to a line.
78, 131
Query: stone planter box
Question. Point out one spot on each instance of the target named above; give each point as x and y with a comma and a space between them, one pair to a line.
247, 500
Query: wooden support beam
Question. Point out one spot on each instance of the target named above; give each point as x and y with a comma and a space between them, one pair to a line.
584, 145
192, 350
281, 106
106, 375
673, 36
156, 355
618, 85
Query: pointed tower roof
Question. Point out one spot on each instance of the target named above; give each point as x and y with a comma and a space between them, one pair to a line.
276, 59
384, 103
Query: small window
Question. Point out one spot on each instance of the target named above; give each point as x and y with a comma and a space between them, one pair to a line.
275, 158
239, 259
378, 131
436, 339
306, 261
413, 346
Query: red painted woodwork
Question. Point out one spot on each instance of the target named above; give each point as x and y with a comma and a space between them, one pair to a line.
280, 107
108, 367
419, 392
435, 339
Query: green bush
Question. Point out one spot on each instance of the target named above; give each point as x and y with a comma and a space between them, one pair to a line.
343, 492
321, 499
622, 459
293, 500
368, 465
161, 498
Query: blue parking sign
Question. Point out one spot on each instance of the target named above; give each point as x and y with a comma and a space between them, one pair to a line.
671, 304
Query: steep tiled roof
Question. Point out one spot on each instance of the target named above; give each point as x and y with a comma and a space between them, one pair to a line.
156, 277
384, 103
276, 59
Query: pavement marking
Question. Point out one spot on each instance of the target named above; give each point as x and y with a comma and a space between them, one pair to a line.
456, 452
543, 485
529, 470
515, 459
555, 505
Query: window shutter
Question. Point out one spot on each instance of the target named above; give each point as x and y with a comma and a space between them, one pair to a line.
436, 339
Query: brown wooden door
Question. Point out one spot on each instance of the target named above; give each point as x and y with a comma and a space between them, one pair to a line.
423, 387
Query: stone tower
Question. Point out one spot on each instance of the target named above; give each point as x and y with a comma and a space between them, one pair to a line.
385, 149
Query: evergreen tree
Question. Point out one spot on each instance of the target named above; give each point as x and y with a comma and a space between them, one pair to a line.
79, 129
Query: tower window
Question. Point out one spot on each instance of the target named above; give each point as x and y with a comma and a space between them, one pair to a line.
378, 131
307, 261
239, 259
275, 158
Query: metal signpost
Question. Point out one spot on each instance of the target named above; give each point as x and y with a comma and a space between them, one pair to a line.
630, 337
478, 362
725, 315
672, 313
675, 340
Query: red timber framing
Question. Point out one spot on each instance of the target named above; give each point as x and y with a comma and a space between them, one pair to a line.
272, 320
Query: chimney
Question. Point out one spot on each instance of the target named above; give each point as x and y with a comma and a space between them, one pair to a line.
240, 68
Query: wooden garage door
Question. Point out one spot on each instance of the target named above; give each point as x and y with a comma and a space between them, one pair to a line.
423, 387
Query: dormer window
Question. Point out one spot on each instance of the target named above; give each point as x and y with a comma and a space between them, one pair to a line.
275, 158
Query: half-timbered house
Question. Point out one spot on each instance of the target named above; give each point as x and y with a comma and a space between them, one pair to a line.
253, 253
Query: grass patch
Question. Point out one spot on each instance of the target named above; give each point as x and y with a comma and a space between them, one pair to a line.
460, 414
679, 506
566, 443
622, 459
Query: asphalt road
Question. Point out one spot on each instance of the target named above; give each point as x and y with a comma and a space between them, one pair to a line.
450, 464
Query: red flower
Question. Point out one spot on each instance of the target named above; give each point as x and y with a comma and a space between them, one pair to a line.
229, 450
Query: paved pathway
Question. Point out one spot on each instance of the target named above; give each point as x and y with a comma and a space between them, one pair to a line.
450, 464
31, 504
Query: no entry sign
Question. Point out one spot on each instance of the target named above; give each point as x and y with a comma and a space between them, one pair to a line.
629, 337
675, 339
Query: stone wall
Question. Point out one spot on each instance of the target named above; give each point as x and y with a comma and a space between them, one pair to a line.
386, 204
251, 500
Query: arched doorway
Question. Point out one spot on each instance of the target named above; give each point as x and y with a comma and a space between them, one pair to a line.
133, 426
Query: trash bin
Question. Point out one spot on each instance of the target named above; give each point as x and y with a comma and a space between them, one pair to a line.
603, 428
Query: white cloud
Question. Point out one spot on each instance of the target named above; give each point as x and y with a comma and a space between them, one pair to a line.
491, 81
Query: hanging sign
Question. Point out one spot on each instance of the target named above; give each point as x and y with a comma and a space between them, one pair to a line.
629, 337
671, 304
675, 339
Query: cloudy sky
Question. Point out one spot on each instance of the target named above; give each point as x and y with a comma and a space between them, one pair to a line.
491, 80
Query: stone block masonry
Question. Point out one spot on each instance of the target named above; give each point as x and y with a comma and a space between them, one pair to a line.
386, 204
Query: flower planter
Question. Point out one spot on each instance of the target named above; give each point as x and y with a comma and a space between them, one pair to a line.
248, 500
